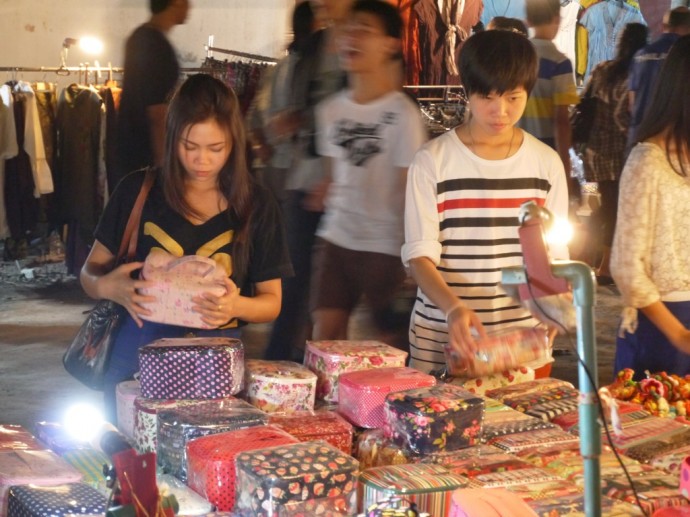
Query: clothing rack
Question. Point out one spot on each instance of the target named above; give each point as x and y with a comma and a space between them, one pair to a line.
210, 49
85, 69
450, 92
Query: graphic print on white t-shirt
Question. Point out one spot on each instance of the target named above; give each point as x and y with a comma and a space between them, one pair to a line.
361, 141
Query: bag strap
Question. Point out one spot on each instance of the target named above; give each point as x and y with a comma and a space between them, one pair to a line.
128, 245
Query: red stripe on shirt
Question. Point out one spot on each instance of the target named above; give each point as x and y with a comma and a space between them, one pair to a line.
451, 204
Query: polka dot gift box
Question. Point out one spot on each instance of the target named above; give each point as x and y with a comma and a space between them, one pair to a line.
211, 460
56, 501
268, 479
191, 368
279, 386
176, 427
434, 419
330, 359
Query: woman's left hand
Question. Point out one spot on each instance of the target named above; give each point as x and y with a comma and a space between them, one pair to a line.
216, 311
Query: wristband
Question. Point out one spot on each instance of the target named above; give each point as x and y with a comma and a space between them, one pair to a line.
455, 306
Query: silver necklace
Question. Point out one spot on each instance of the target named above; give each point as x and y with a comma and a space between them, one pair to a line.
510, 145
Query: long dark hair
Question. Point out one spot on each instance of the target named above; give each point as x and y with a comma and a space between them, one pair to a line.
632, 39
669, 109
200, 98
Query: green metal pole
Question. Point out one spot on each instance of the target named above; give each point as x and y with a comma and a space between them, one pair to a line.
581, 278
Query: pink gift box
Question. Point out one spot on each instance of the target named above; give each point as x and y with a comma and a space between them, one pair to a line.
279, 386
211, 460
330, 359
16, 437
362, 395
125, 393
42, 468
191, 368
176, 281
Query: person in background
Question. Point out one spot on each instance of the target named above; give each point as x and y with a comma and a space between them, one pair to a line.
501, 23
272, 120
317, 75
547, 112
464, 191
203, 202
151, 73
648, 62
650, 260
368, 134
603, 156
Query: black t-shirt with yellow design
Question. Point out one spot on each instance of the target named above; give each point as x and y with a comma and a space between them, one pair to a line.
161, 227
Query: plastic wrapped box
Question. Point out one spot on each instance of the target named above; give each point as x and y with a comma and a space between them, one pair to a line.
362, 395
211, 460
191, 368
125, 394
308, 426
480, 385
55, 501
279, 386
429, 486
434, 419
374, 449
268, 479
329, 359
176, 427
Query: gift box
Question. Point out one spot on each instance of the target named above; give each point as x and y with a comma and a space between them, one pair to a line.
16, 438
329, 359
270, 478
191, 368
90, 463
471, 502
501, 423
374, 449
190, 503
429, 486
502, 350
654, 491
519, 441
56, 438
176, 427
523, 388
478, 465
55, 501
643, 431
211, 460
146, 419
279, 386
480, 385
544, 490
517, 477
125, 393
434, 419
174, 282
308, 426
554, 408
361, 395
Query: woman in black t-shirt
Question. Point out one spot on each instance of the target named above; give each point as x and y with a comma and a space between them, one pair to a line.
203, 202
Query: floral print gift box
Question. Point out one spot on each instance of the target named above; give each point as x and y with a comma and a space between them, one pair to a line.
279, 386
330, 359
434, 419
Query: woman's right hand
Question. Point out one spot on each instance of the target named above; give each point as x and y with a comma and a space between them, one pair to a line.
461, 320
120, 287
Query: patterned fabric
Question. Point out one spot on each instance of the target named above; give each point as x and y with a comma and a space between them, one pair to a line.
519, 441
650, 259
57, 501
192, 368
461, 212
604, 154
555, 87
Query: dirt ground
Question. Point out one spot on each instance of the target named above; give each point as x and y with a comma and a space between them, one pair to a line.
40, 316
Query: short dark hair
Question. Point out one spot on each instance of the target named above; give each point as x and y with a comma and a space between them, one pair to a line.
541, 12
678, 17
158, 6
669, 108
503, 23
385, 12
497, 61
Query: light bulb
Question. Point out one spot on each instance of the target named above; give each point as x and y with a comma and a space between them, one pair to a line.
91, 45
83, 422
560, 232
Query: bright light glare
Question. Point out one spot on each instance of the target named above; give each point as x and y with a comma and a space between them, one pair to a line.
83, 422
560, 233
91, 45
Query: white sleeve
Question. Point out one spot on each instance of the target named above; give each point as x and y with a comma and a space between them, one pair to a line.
412, 134
632, 241
421, 214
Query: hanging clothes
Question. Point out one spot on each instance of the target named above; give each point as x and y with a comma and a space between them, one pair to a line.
243, 78
507, 8
8, 148
601, 24
565, 39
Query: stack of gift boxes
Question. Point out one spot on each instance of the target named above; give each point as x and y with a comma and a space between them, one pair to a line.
351, 431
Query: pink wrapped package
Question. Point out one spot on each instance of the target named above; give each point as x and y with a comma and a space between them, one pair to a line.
329, 359
498, 502
279, 386
508, 348
211, 460
176, 282
125, 393
480, 385
362, 395
192, 368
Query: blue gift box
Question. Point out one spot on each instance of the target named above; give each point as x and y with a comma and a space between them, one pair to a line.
55, 501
